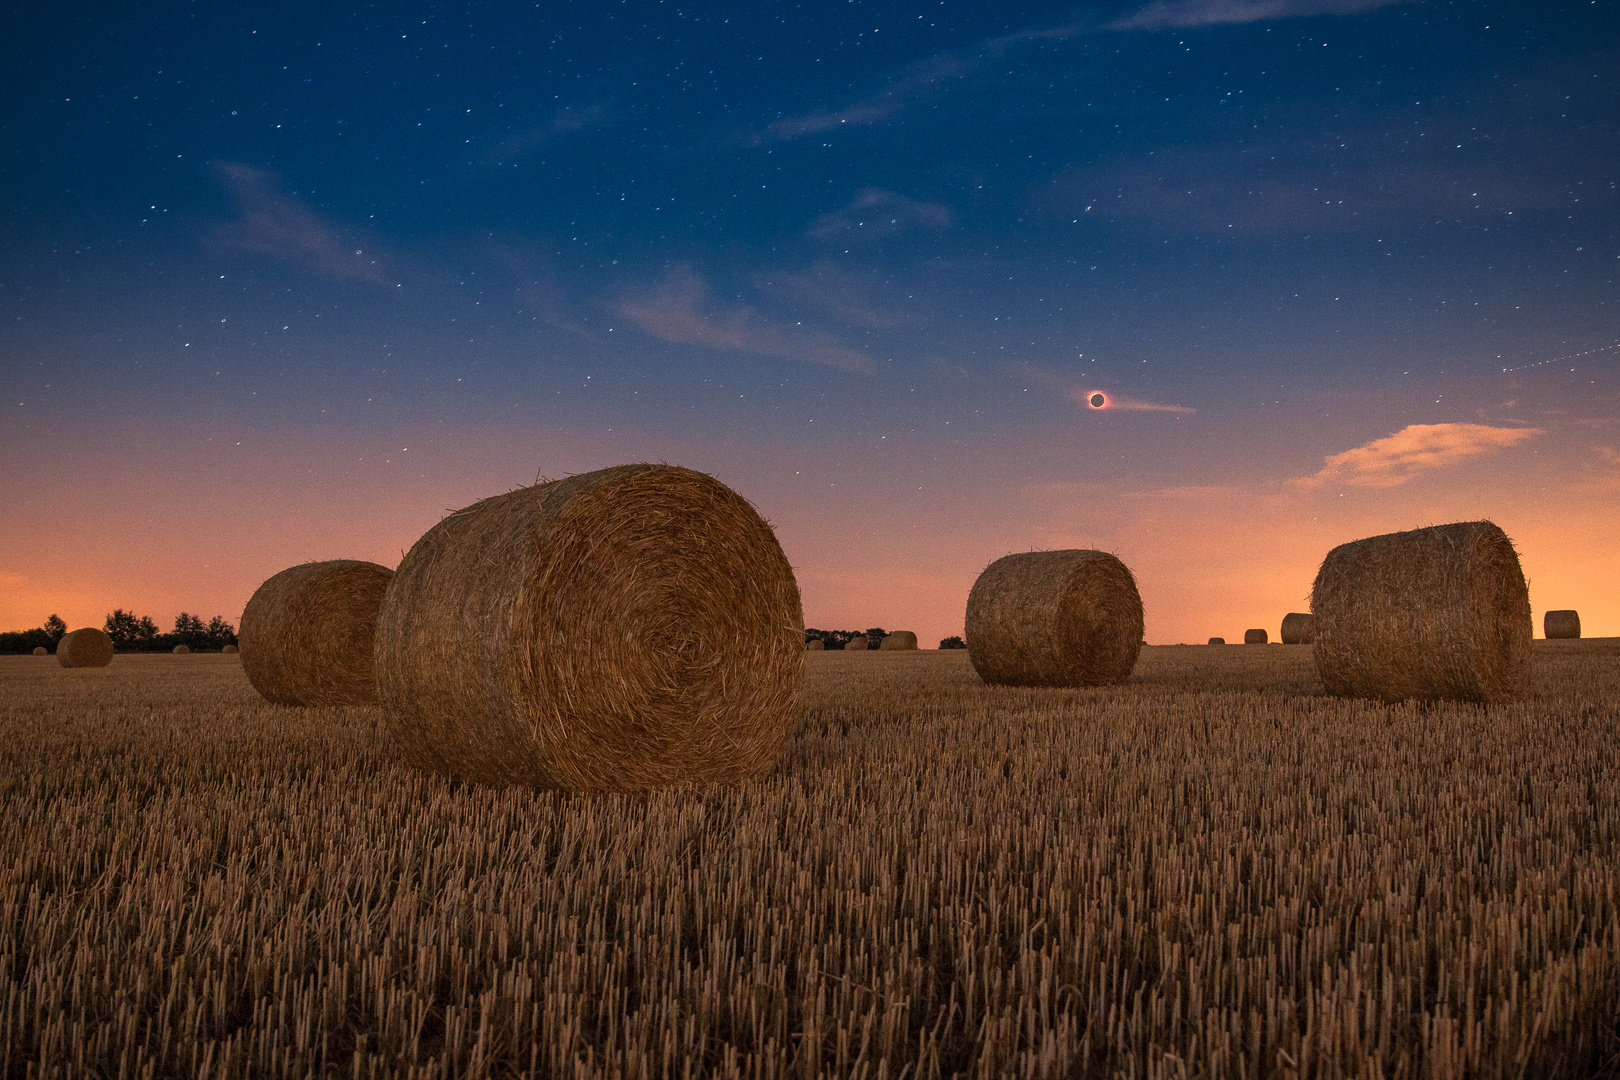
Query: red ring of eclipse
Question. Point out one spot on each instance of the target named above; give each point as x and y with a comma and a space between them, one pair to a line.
1097, 399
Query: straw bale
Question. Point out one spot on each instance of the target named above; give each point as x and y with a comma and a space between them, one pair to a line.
182, 650
1430, 614
619, 630
40, 650
900, 639
1298, 628
1257, 636
228, 649
1561, 624
858, 643
85, 647
1054, 618
1217, 641
307, 633
815, 645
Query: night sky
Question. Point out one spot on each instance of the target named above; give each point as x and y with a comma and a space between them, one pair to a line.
288, 282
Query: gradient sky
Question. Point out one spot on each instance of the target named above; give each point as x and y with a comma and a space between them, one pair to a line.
289, 282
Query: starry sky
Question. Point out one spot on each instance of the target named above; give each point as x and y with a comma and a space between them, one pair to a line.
289, 282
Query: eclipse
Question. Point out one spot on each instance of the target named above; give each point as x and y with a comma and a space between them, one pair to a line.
1097, 400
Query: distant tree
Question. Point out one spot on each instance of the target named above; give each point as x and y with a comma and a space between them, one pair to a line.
123, 627
55, 628
219, 633
953, 642
875, 636
146, 631
25, 641
189, 631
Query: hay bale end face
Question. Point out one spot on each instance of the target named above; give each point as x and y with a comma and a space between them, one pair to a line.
182, 650
1217, 641
1256, 636
307, 633
619, 630
1441, 613
1561, 624
815, 645
1298, 629
228, 649
40, 650
1054, 618
85, 647
858, 643
900, 639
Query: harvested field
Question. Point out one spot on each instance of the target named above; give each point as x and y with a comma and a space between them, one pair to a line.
1213, 869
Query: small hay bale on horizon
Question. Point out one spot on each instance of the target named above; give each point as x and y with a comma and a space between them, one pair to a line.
229, 649
85, 647
182, 650
1298, 628
1257, 636
815, 645
1561, 624
900, 639
858, 643
625, 629
1054, 618
40, 650
307, 633
1440, 613
1217, 641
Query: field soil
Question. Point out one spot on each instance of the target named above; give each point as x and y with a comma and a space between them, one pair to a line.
1213, 870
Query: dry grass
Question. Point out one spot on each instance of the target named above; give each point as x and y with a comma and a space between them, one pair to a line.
1211, 870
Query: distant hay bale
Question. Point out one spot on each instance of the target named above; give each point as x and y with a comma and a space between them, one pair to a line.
1256, 636
815, 645
1298, 628
858, 643
619, 630
228, 649
1054, 618
1217, 641
182, 650
85, 647
900, 639
40, 650
1561, 624
307, 633
1430, 614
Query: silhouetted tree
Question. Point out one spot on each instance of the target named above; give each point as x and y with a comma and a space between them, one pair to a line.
55, 628
875, 636
220, 633
953, 642
123, 627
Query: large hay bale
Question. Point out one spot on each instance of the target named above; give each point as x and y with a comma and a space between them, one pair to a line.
228, 649
1561, 624
623, 629
1217, 641
1430, 614
1298, 628
900, 639
40, 650
182, 650
85, 647
1257, 636
858, 643
307, 633
815, 645
1054, 618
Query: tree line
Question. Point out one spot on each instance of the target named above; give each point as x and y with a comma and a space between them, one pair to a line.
838, 639
130, 633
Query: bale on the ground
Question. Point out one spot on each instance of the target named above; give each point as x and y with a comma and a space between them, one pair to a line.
619, 630
1054, 618
1298, 628
40, 650
1561, 624
1217, 641
182, 650
858, 643
1430, 614
1256, 636
900, 639
307, 633
85, 647
815, 645
228, 649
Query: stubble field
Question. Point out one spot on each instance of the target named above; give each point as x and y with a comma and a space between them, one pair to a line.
1213, 870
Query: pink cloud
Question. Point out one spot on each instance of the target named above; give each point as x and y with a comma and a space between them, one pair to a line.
273, 223
1416, 448
875, 213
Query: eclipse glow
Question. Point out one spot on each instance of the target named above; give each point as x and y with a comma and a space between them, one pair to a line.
1097, 399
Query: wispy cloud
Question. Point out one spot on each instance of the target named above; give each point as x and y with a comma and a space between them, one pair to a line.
1115, 402
1162, 14
871, 301
271, 222
678, 309
921, 81
562, 123
1415, 449
875, 214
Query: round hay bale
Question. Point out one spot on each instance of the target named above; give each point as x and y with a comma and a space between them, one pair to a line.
815, 645
1561, 624
1217, 641
40, 650
858, 643
307, 633
618, 630
900, 639
1298, 628
85, 647
1256, 636
1054, 618
182, 650
1430, 614
228, 649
